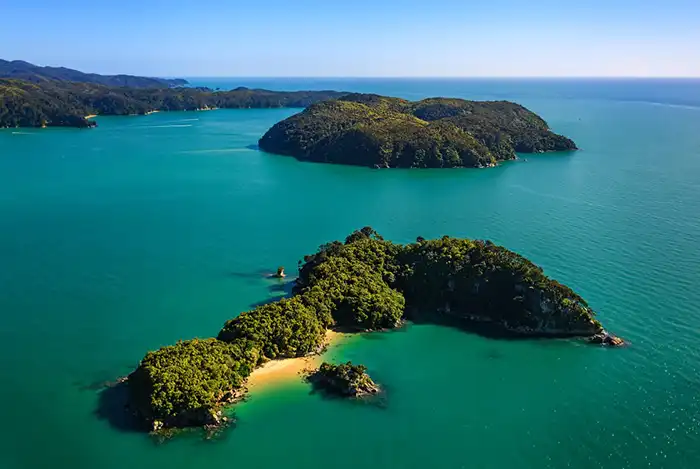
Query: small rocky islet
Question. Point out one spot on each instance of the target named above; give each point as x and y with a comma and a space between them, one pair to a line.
345, 380
385, 132
365, 283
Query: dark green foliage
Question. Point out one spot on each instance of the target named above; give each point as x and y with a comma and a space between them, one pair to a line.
20, 70
176, 382
365, 283
355, 278
368, 279
370, 305
60, 103
284, 329
345, 379
372, 130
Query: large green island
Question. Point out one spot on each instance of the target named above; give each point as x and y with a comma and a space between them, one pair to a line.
383, 132
365, 283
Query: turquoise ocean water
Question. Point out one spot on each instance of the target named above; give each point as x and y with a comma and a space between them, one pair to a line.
146, 230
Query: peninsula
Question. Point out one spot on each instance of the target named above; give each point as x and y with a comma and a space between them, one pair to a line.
384, 132
365, 283
52, 103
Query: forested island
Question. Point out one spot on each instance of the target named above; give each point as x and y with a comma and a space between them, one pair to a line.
65, 103
384, 132
365, 283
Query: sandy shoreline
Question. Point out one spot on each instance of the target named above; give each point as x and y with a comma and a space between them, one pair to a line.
91, 116
278, 371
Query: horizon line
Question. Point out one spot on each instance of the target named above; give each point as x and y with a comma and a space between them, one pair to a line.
453, 77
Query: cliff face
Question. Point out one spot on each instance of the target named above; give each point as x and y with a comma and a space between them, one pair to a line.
537, 312
378, 131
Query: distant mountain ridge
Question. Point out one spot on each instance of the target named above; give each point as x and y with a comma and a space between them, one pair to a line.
21, 70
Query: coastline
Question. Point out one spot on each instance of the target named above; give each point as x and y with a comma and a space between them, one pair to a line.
289, 369
90, 116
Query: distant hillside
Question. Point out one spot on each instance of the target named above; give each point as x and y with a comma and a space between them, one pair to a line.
21, 70
53, 103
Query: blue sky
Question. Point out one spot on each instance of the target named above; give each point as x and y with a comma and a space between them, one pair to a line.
358, 37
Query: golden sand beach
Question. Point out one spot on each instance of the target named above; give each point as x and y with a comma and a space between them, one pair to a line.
278, 371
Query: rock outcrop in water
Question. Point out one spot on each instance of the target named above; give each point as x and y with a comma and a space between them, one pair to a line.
345, 380
365, 283
605, 338
384, 132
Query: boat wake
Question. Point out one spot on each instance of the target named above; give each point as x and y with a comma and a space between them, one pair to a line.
219, 150
165, 126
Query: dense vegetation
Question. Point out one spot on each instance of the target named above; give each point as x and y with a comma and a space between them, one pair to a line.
364, 283
378, 131
344, 380
182, 385
59, 103
20, 70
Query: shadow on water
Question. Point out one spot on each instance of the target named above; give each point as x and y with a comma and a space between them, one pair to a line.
113, 407
280, 288
250, 277
254, 147
379, 400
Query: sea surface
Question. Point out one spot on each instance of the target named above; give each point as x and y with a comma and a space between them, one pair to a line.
147, 230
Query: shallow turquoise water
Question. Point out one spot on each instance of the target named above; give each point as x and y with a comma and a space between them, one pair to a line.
147, 230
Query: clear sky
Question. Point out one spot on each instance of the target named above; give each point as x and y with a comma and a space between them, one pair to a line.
357, 37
